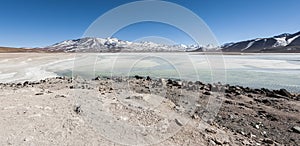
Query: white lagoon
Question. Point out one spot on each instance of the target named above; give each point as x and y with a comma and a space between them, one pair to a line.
272, 71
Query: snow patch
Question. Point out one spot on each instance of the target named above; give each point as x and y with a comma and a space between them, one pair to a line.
292, 39
249, 45
280, 42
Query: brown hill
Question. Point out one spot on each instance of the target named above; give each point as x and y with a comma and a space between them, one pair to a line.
22, 50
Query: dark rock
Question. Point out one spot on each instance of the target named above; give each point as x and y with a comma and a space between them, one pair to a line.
274, 93
218, 142
61, 78
60, 96
257, 91
239, 88
138, 77
192, 87
247, 90
97, 78
210, 130
228, 102
268, 141
148, 78
77, 109
208, 87
261, 112
25, 83
139, 97
178, 122
266, 91
230, 89
266, 101
39, 94
173, 83
169, 81
271, 117
207, 93
238, 93
297, 97
283, 92
228, 96
250, 95
198, 83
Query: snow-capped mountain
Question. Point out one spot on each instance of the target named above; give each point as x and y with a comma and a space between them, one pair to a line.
114, 45
284, 43
281, 43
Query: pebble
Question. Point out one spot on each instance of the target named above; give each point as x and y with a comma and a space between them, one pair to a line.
77, 109
268, 141
195, 116
296, 129
210, 130
217, 141
39, 93
179, 109
178, 122
58, 96
252, 135
212, 142
242, 132
207, 93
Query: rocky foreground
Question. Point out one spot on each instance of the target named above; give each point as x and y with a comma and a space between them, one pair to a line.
65, 111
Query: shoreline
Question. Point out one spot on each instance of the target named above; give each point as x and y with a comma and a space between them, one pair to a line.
244, 88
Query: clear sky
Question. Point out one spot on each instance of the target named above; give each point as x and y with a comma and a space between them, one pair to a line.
38, 23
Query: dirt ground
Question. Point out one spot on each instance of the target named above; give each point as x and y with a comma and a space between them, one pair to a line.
145, 111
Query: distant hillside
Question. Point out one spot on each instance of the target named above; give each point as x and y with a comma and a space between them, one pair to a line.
284, 43
22, 50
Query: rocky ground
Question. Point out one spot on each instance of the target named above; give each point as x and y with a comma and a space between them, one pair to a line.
143, 111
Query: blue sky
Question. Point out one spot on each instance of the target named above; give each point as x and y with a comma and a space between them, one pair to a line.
38, 23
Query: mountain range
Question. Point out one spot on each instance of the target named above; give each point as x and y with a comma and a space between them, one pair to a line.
284, 43
114, 45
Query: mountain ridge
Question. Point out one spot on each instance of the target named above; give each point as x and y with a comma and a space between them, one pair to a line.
283, 43
90, 44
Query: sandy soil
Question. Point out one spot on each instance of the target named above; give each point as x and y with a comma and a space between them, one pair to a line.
143, 111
